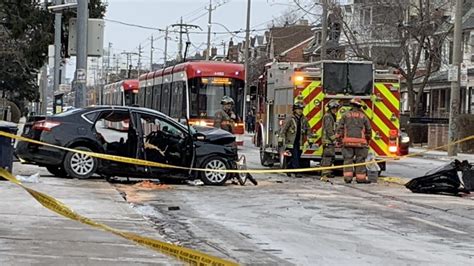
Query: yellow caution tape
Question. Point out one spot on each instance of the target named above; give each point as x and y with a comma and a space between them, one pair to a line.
184, 254
253, 171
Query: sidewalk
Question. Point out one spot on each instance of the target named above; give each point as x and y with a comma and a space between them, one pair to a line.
31, 234
441, 155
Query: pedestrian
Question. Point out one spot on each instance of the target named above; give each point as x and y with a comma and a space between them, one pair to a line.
226, 118
329, 139
295, 130
250, 121
355, 132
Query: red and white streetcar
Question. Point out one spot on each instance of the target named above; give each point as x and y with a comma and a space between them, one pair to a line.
123, 93
195, 90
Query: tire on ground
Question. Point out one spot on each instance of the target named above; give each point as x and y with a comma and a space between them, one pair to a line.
79, 165
215, 178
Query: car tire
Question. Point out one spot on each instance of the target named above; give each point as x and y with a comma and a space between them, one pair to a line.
57, 171
78, 165
215, 178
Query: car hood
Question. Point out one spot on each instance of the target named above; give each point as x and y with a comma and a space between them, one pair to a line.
217, 136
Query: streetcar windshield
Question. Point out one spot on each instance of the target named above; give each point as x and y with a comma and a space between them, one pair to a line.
207, 92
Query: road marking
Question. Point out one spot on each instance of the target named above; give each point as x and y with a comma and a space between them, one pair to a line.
438, 225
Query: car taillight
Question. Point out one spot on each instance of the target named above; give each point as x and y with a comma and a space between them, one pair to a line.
45, 125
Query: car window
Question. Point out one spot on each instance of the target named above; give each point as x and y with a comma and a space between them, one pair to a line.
151, 123
91, 116
113, 127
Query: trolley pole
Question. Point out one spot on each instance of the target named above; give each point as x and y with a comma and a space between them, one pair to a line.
455, 102
246, 58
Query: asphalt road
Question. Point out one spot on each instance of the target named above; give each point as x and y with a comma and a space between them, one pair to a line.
307, 222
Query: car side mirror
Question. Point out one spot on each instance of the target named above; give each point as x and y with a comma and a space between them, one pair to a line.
199, 136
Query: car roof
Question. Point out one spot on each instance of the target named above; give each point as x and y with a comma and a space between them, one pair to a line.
119, 107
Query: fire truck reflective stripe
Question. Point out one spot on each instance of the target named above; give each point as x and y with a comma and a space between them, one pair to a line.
380, 146
388, 98
310, 87
385, 117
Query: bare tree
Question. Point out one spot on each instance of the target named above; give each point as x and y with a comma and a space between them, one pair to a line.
402, 34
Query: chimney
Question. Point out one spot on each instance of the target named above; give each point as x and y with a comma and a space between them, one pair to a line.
213, 51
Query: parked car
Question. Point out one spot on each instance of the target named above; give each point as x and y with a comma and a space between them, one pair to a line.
148, 135
404, 144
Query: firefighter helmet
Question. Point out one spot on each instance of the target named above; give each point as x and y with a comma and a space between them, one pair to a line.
298, 105
227, 100
356, 102
333, 104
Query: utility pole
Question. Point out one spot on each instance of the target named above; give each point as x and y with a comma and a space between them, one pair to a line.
246, 58
81, 60
180, 55
129, 61
166, 47
455, 102
324, 29
139, 64
57, 49
209, 23
151, 53
183, 28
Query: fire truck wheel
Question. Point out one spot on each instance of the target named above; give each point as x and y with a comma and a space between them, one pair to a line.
265, 158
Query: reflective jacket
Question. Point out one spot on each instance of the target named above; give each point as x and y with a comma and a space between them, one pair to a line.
225, 120
354, 129
329, 128
288, 132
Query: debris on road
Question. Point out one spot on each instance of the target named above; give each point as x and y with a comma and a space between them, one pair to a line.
29, 179
445, 179
173, 208
147, 184
195, 182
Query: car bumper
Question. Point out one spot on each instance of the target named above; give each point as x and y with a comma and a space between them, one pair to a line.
37, 154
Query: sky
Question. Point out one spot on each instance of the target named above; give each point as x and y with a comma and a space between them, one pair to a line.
161, 13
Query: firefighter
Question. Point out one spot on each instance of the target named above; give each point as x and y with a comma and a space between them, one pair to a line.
226, 118
329, 138
293, 134
355, 132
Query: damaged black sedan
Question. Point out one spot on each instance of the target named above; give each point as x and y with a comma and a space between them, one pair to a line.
129, 132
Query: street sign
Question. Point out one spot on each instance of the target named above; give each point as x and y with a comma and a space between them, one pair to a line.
453, 73
81, 75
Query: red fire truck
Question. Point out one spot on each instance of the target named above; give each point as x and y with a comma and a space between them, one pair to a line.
194, 90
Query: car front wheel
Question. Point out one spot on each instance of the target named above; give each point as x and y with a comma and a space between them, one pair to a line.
214, 177
78, 165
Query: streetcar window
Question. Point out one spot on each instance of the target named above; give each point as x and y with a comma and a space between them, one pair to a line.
177, 99
165, 98
149, 97
156, 97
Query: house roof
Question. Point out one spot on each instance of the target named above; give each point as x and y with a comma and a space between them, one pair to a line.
286, 37
469, 22
297, 45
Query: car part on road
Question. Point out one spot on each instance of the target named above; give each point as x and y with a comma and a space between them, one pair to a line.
444, 179
213, 177
78, 165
